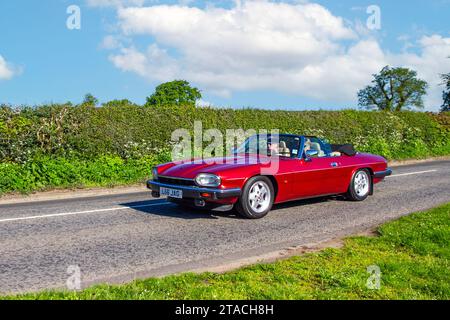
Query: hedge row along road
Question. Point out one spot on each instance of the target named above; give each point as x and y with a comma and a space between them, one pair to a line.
122, 237
62, 146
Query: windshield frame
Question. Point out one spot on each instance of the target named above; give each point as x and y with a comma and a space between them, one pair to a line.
244, 145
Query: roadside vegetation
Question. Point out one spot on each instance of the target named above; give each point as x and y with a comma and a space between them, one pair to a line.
117, 143
446, 93
56, 146
412, 254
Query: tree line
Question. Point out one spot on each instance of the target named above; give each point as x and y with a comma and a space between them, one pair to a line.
395, 89
392, 89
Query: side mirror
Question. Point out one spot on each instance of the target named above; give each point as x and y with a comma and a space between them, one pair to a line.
310, 153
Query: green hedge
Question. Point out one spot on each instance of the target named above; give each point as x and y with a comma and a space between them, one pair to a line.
66, 145
46, 172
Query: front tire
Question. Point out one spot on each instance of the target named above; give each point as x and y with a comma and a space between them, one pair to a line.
360, 185
256, 199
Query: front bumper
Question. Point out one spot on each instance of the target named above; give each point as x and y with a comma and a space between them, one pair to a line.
192, 192
382, 174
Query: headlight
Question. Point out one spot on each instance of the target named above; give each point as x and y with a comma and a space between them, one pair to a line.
207, 180
155, 173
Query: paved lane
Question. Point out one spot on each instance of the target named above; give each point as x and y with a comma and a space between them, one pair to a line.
120, 237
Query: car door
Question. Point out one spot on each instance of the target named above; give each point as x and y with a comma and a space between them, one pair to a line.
326, 172
320, 175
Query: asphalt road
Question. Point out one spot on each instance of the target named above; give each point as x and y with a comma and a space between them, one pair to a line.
121, 237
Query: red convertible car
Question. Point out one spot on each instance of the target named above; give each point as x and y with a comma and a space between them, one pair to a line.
268, 169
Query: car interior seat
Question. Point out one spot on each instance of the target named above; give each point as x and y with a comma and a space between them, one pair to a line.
316, 146
283, 150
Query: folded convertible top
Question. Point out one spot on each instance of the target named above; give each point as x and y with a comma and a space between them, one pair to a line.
347, 149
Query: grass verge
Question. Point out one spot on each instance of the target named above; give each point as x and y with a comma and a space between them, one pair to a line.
412, 253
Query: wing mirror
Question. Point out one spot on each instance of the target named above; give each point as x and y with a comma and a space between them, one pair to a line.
310, 153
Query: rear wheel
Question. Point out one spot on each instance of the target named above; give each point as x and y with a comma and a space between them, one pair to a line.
360, 185
256, 199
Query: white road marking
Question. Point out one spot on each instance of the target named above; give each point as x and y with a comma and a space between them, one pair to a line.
82, 212
147, 205
410, 173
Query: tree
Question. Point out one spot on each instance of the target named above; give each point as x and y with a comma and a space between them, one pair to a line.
393, 89
446, 92
178, 92
119, 103
90, 100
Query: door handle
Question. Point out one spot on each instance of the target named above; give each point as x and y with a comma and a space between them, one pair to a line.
334, 164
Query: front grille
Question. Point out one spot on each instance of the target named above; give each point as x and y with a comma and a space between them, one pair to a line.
176, 181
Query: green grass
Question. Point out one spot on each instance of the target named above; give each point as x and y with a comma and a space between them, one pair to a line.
412, 253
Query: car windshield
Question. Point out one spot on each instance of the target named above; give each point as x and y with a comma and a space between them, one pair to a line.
278, 145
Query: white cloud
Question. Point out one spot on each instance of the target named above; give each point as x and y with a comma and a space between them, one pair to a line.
433, 59
155, 63
203, 103
110, 42
233, 49
298, 48
6, 70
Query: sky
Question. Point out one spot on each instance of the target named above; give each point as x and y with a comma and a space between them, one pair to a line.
292, 54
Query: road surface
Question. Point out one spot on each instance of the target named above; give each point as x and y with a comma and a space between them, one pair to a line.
121, 237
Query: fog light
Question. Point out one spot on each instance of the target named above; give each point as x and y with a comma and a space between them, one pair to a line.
205, 195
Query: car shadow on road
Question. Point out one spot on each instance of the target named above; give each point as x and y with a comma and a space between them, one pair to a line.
163, 208
303, 202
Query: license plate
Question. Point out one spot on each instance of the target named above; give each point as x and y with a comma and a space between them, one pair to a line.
173, 193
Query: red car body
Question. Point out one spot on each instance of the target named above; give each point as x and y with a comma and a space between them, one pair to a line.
296, 178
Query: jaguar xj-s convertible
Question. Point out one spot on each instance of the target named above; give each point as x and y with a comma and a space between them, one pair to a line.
267, 170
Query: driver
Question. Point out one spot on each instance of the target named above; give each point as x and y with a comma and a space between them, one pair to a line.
274, 148
307, 145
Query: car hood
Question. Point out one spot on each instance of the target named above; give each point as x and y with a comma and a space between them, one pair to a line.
218, 165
